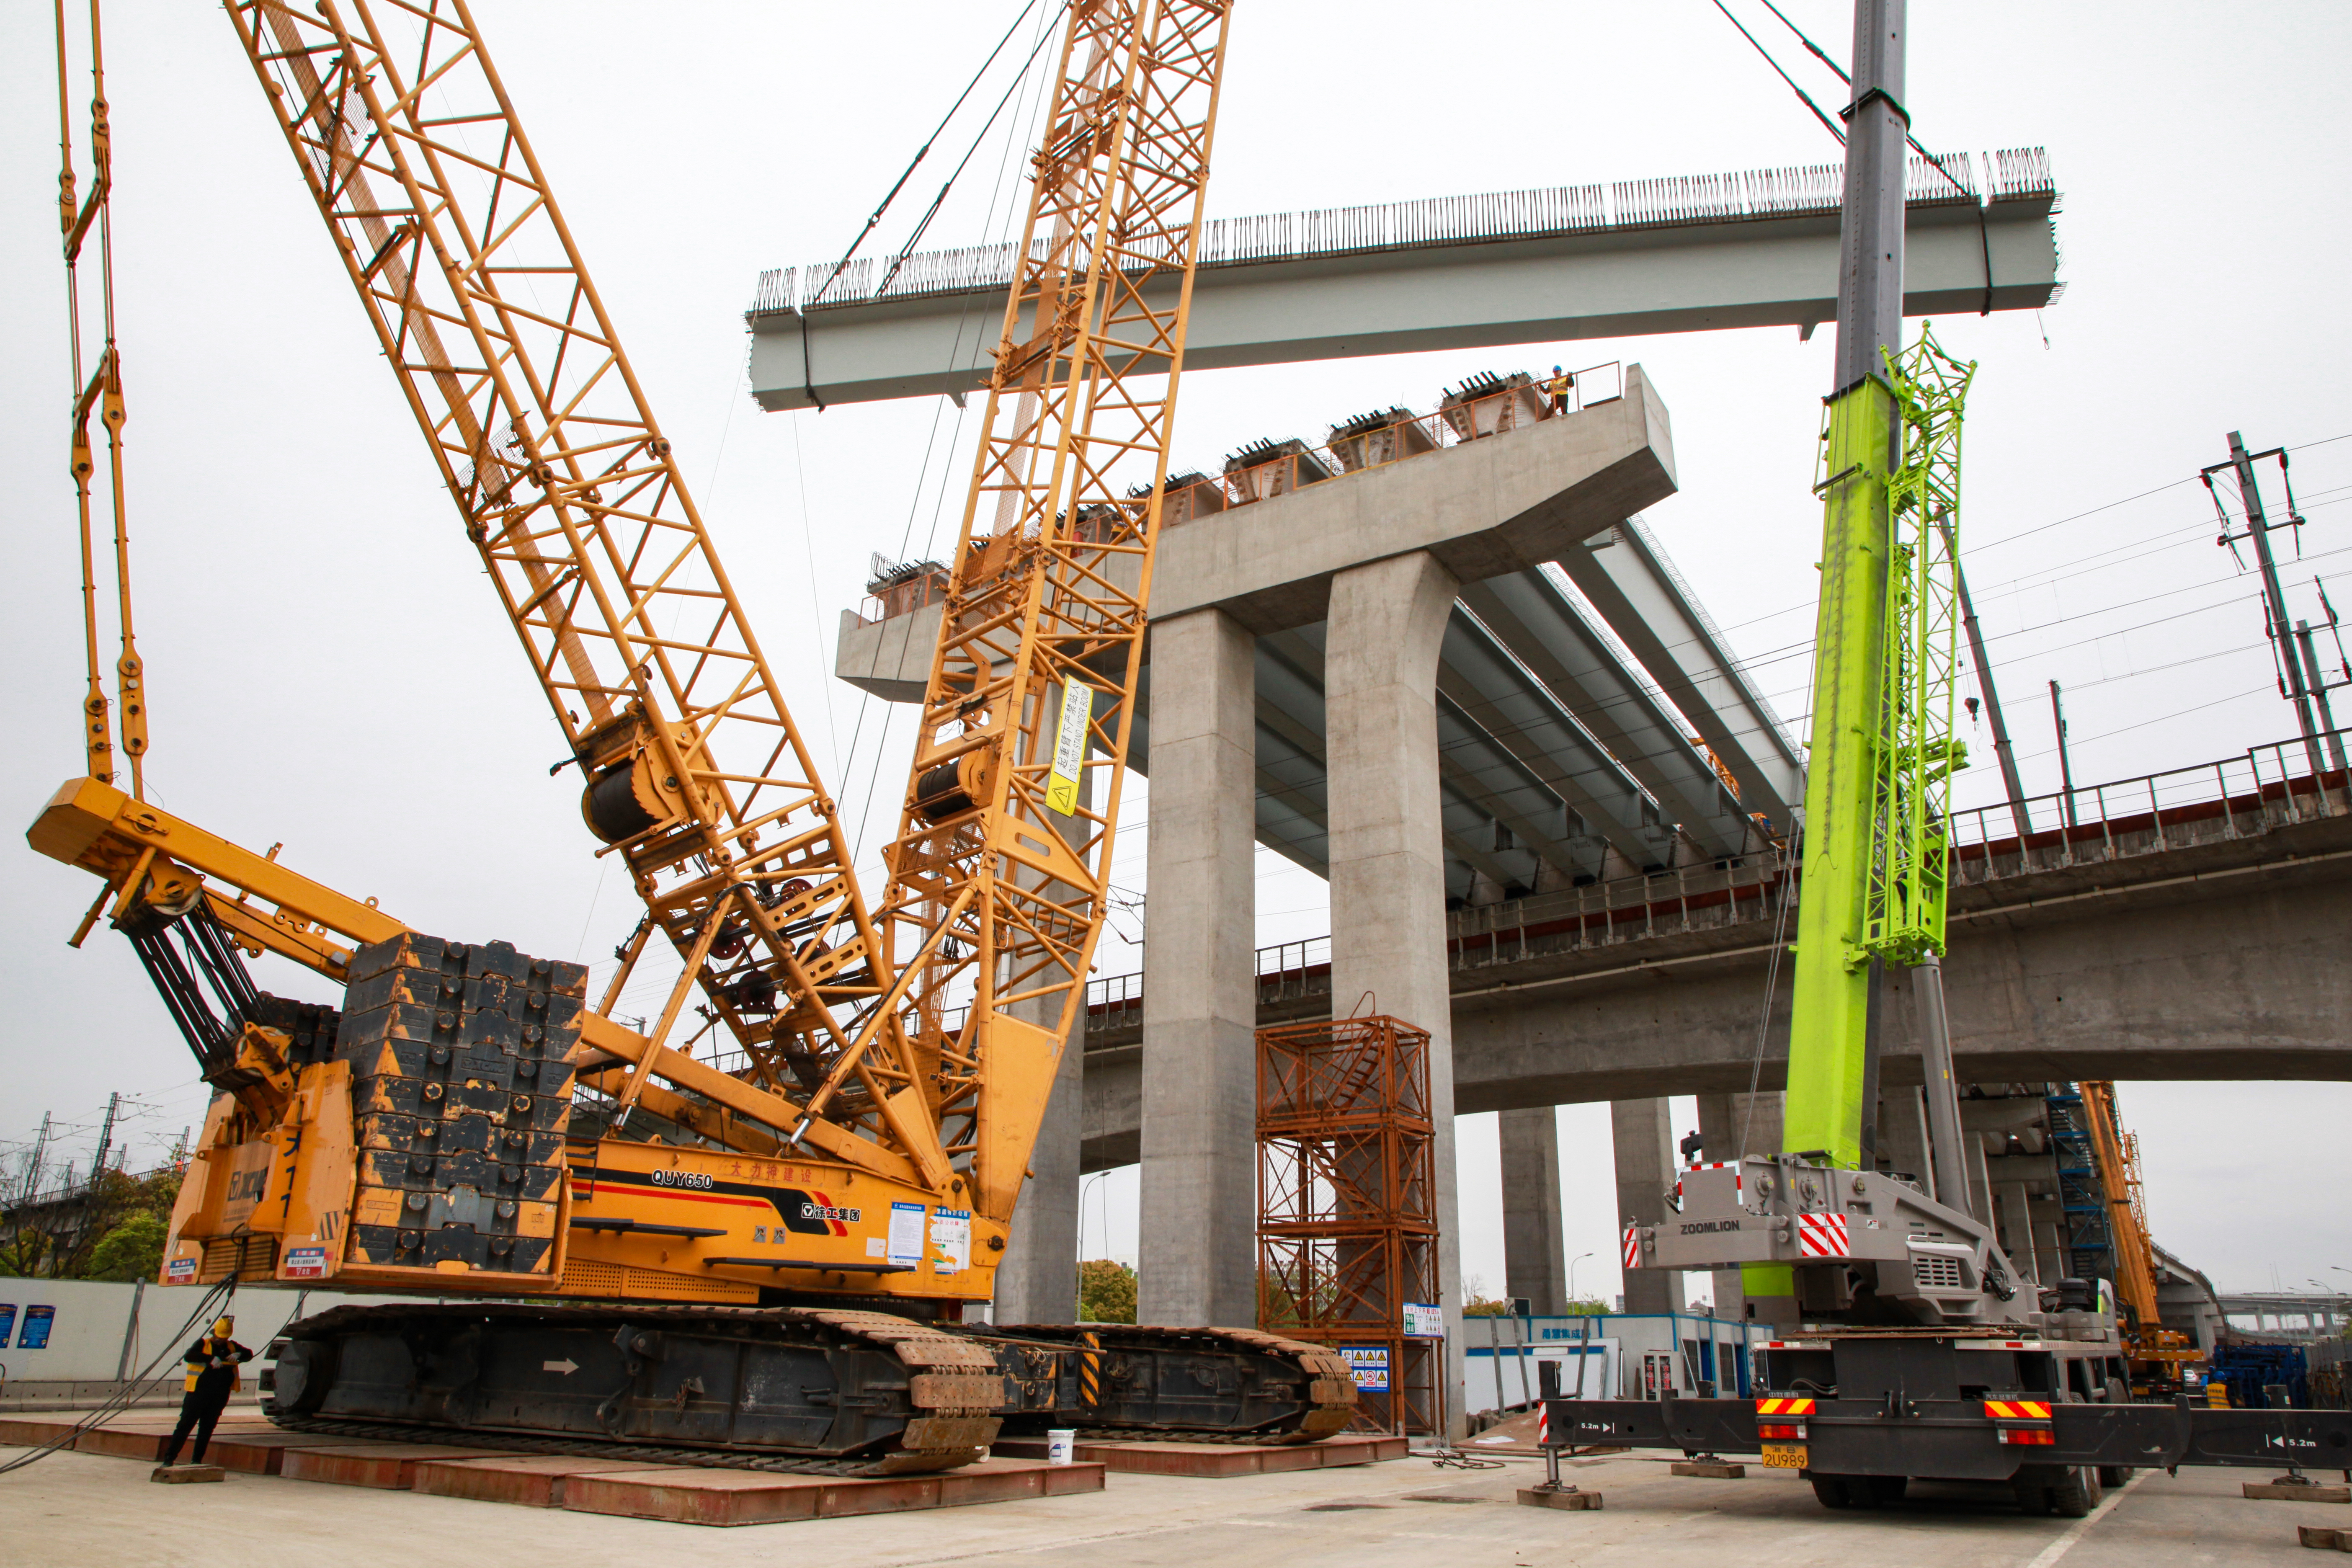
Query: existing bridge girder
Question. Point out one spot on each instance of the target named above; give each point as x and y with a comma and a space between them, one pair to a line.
1481, 678
1548, 633
1690, 265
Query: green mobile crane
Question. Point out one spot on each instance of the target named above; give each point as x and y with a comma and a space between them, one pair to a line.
1904, 1343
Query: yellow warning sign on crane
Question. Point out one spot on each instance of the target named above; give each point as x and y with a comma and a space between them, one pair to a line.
1069, 748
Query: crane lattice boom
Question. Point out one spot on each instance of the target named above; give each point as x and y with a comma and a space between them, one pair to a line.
695, 774
998, 873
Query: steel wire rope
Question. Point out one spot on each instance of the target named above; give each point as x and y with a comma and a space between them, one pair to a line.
892, 196
1807, 98
1013, 138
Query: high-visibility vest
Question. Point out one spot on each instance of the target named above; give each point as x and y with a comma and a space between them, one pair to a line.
199, 1362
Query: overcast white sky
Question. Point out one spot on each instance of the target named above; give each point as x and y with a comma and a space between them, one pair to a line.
326, 671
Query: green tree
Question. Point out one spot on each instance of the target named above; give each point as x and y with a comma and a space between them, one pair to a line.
133, 1249
131, 1216
1106, 1291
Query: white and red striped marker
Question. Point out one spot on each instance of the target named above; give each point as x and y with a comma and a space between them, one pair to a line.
1823, 1235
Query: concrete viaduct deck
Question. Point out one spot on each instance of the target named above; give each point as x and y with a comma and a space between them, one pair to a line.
1692, 253
2188, 926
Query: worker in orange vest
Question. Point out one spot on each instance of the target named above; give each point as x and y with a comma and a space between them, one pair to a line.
213, 1364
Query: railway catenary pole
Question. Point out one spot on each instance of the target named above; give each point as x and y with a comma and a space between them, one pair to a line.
2250, 496
2020, 813
2317, 678
2065, 760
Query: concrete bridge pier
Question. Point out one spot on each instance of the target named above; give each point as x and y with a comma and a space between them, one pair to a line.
1038, 1280
1388, 621
1643, 1131
1198, 1248
1535, 1247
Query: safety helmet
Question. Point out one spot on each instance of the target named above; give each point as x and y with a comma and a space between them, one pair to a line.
223, 1326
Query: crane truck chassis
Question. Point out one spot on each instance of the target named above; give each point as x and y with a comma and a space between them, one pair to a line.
1939, 1364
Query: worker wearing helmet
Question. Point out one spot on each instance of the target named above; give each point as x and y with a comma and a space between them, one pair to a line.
1560, 384
212, 1365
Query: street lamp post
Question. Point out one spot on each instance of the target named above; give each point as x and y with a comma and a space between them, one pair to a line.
1572, 1275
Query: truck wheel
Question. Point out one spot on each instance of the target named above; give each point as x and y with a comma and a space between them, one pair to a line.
2075, 1492
2113, 1475
1831, 1491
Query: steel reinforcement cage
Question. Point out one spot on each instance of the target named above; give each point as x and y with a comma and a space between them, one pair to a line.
1347, 1189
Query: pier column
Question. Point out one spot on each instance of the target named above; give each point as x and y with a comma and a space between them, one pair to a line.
1038, 1280
1643, 1134
1386, 625
1535, 1249
1198, 1250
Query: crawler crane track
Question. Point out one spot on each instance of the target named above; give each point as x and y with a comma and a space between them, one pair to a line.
785, 1388
792, 1389
1200, 1384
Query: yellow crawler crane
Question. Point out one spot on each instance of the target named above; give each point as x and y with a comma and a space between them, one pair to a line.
2156, 1355
818, 1216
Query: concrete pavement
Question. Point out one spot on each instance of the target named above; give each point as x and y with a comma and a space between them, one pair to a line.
78, 1508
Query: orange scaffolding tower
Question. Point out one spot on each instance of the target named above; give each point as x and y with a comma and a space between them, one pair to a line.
1347, 1188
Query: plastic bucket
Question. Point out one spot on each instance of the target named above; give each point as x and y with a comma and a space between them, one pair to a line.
1061, 1442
